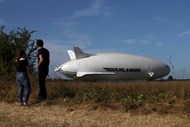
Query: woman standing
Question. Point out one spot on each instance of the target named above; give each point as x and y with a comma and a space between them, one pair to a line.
22, 78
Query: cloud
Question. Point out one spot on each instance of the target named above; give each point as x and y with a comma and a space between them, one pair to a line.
159, 19
2, 0
69, 24
2, 22
186, 33
136, 42
6, 23
159, 44
150, 36
95, 9
142, 42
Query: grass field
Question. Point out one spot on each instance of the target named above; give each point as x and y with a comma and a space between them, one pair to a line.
99, 104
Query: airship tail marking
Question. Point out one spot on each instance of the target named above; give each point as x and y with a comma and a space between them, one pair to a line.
71, 55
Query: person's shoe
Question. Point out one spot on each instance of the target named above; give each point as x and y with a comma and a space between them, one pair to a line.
19, 104
40, 99
24, 104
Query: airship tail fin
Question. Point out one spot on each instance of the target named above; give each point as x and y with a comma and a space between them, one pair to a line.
79, 54
77, 50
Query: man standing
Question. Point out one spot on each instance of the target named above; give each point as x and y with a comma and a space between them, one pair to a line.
43, 69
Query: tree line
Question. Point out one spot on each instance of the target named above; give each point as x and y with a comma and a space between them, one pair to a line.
10, 42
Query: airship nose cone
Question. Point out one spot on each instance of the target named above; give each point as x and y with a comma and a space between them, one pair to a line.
68, 69
62, 68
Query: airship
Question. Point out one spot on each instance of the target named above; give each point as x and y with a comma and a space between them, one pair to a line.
111, 66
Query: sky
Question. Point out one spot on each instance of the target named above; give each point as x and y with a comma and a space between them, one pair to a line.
159, 29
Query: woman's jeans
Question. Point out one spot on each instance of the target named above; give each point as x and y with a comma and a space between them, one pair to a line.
23, 84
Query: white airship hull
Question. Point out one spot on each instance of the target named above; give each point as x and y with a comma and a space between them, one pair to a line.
114, 66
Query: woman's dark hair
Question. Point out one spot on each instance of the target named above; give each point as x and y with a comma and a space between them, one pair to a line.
20, 52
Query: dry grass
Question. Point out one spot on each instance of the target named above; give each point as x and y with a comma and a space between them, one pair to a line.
99, 104
83, 116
